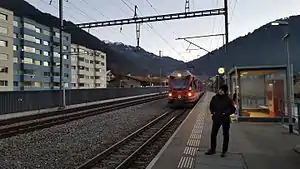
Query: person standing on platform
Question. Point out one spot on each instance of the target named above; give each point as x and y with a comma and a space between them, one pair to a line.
221, 107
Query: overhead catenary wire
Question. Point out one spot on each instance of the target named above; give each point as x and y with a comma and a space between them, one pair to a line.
174, 34
154, 30
102, 14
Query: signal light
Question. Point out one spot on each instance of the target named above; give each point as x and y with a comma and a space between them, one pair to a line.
189, 94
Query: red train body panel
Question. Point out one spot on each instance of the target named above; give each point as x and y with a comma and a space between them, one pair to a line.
184, 88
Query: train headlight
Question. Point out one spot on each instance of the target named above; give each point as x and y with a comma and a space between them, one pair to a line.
170, 95
189, 94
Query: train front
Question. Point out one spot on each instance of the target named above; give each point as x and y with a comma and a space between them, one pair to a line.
180, 93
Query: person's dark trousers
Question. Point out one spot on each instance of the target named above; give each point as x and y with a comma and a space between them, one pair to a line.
213, 138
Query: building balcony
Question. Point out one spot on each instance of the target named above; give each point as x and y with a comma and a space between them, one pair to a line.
81, 80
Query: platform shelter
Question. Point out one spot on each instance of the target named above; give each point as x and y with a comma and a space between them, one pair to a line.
261, 90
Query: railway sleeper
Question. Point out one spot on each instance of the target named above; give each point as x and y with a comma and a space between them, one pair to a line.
108, 163
118, 156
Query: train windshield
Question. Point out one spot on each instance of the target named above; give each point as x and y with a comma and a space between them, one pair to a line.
179, 84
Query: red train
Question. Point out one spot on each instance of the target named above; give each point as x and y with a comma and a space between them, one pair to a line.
184, 88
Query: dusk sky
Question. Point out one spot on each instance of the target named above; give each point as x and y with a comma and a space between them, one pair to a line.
244, 16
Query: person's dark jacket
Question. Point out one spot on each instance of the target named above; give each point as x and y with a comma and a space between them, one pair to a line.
221, 107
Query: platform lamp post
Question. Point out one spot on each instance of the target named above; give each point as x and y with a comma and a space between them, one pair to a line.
290, 95
221, 73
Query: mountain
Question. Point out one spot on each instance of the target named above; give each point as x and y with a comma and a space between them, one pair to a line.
121, 59
264, 46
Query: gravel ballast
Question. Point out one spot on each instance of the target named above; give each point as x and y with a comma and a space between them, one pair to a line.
71, 144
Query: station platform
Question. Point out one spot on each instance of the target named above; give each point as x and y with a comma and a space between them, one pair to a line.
41, 111
251, 146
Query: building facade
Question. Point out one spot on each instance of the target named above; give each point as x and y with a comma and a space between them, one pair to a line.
36, 59
6, 50
88, 68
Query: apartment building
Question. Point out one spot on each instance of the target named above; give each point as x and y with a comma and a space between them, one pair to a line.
88, 68
6, 50
36, 59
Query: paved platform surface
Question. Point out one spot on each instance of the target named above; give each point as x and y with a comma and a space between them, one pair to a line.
252, 145
27, 113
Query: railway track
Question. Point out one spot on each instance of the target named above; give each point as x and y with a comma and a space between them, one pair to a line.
25, 126
133, 151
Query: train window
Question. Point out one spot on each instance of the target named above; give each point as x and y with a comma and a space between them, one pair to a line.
179, 84
193, 85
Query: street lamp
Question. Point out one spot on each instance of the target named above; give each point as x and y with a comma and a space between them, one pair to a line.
290, 96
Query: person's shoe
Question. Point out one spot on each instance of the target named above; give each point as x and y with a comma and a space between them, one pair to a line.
223, 154
210, 152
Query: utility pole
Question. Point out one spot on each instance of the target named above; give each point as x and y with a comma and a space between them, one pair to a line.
187, 6
61, 84
226, 25
61, 42
137, 27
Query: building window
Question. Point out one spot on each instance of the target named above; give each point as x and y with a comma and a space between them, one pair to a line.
29, 49
56, 34
27, 61
66, 57
37, 51
66, 38
15, 23
81, 84
102, 63
29, 72
65, 47
3, 56
37, 84
29, 38
15, 60
3, 83
46, 84
3, 69
29, 26
46, 43
15, 47
3, 30
16, 84
46, 63
80, 59
3, 16
102, 57
45, 53
38, 30
37, 62
15, 35
66, 75
46, 32
39, 41
56, 54
56, 74
27, 83
3, 43
47, 74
